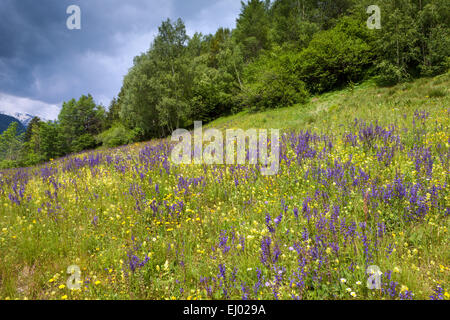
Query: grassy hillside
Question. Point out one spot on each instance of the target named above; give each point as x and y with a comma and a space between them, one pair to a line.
328, 112
349, 194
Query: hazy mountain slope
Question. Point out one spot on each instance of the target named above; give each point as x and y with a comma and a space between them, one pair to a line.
6, 120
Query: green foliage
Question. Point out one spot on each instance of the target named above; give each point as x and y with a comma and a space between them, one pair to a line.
32, 146
389, 74
399, 40
414, 39
80, 120
53, 142
294, 22
436, 54
252, 28
113, 113
10, 145
83, 142
156, 90
272, 82
179, 79
212, 90
117, 135
277, 49
29, 131
337, 56
215, 45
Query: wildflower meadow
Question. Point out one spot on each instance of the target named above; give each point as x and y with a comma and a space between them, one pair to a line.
354, 189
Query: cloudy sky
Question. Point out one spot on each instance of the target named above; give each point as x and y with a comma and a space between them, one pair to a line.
43, 63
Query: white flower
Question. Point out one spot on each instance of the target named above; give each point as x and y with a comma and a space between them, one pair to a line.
353, 294
343, 280
358, 282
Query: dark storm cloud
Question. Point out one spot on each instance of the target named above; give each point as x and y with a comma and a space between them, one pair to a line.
41, 60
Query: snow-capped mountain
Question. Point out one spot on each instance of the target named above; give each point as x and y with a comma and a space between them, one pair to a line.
24, 118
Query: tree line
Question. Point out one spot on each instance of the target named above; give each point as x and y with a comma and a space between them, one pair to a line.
280, 53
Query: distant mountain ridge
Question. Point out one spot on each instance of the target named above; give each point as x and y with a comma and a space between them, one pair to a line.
24, 118
6, 120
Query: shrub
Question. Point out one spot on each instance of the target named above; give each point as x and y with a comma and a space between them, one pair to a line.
389, 74
7, 164
271, 82
83, 142
337, 56
116, 136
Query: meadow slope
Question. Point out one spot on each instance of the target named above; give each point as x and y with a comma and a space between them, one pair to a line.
363, 181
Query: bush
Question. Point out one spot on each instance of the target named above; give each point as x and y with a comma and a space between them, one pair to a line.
116, 136
7, 164
337, 56
31, 159
212, 96
271, 82
84, 142
389, 74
